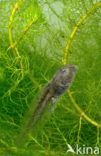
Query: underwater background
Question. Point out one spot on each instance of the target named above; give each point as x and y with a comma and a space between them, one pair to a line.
38, 37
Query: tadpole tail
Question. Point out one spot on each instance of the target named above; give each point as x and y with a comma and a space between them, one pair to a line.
37, 114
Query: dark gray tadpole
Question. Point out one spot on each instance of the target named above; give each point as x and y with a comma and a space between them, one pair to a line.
60, 82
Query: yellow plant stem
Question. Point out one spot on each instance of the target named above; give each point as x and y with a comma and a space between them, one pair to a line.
23, 33
11, 26
80, 111
75, 29
66, 56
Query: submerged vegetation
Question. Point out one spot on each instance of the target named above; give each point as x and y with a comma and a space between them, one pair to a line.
37, 38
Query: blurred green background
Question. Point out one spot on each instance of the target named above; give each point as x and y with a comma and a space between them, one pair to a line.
34, 36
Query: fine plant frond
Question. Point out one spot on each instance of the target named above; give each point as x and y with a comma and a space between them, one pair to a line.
38, 37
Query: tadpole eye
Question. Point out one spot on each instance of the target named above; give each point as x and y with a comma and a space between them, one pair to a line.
63, 70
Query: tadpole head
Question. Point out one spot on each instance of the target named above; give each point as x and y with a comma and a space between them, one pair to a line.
68, 73
63, 78
72, 68
69, 68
